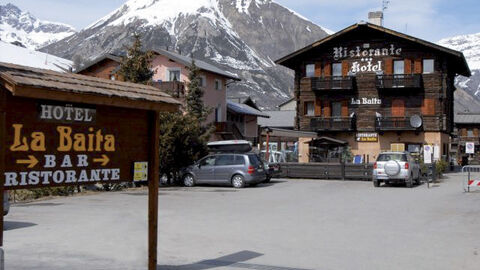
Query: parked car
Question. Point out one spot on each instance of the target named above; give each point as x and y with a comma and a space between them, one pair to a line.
236, 169
396, 167
272, 170
6, 203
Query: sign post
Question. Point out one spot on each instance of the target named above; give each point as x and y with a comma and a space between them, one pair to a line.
469, 148
153, 190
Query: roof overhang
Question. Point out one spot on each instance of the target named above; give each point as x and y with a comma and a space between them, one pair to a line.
290, 59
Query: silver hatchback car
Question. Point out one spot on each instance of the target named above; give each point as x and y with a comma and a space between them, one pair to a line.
392, 167
238, 170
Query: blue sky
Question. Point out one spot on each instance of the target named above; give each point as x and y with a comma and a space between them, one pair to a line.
427, 19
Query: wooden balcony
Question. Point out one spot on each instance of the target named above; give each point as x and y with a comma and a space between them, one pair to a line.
333, 83
174, 88
332, 124
394, 123
399, 81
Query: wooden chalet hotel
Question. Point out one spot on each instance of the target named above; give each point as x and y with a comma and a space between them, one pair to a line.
374, 89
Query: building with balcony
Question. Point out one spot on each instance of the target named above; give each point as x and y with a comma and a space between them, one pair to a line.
171, 76
466, 142
376, 90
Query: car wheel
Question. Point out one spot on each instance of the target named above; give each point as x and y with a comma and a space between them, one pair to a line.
188, 180
267, 180
376, 183
410, 181
238, 181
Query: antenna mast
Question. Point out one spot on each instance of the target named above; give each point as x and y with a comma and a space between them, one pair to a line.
384, 7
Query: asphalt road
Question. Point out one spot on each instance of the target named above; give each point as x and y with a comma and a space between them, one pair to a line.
295, 224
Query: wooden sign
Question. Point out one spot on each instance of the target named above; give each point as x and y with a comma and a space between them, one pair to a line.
67, 144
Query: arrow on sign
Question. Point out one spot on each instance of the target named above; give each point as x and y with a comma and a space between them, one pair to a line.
31, 161
104, 160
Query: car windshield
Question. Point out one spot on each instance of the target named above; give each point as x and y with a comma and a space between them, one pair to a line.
387, 157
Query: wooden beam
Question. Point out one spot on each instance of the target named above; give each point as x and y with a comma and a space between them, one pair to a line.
43, 93
153, 179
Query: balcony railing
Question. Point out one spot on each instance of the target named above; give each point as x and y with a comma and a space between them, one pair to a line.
399, 81
332, 83
174, 88
394, 123
333, 124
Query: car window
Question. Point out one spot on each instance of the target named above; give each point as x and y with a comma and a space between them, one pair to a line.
208, 161
223, 160
387, 157
254, 159
239, 160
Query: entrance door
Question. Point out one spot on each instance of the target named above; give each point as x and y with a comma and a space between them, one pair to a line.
336, 109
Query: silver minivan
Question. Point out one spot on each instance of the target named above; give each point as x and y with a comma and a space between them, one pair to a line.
236, 169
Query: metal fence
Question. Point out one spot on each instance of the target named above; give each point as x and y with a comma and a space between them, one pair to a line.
472, 177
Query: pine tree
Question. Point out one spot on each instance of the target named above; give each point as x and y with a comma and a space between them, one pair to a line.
194, 97
135, 66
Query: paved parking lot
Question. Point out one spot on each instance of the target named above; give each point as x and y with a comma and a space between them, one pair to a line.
289, 224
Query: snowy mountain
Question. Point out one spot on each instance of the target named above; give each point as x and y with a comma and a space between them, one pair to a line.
17, 25
241, 36
27, 57
470, 46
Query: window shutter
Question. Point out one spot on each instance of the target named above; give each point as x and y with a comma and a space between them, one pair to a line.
318, 107
389, 66
418, 66
326, 109
327, 70
318, 69
475, 132
398, 108
408, 66
428, 106
344, 108
463, 132
345, 68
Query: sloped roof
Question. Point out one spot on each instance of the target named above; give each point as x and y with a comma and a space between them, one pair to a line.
245, 100
187, 61
41, 83
278, 119
467, 118
99, 59
458, 57
286, 102
241, 108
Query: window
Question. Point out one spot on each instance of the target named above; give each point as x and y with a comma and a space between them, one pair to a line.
218, 113
203, 81
309, 108
223, 160
218, 85
399, 67
337, 69
336, 109
310, 70
397, 157
254, 160
173, 75
208, 161
239, 160
397, 147
428, 66
112, 77
469, 132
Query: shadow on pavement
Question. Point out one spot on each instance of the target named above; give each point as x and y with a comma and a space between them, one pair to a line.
235, 260
12, 225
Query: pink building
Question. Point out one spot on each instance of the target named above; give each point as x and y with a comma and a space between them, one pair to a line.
171, 67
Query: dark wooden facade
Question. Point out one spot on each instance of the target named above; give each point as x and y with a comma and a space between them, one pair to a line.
368, 90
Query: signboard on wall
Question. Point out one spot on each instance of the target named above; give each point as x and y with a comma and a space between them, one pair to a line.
470, 148
367, 137
66, 144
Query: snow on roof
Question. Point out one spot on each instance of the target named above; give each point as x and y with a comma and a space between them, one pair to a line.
21, 56
244, 109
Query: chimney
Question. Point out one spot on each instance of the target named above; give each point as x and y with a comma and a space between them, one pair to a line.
376, 17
